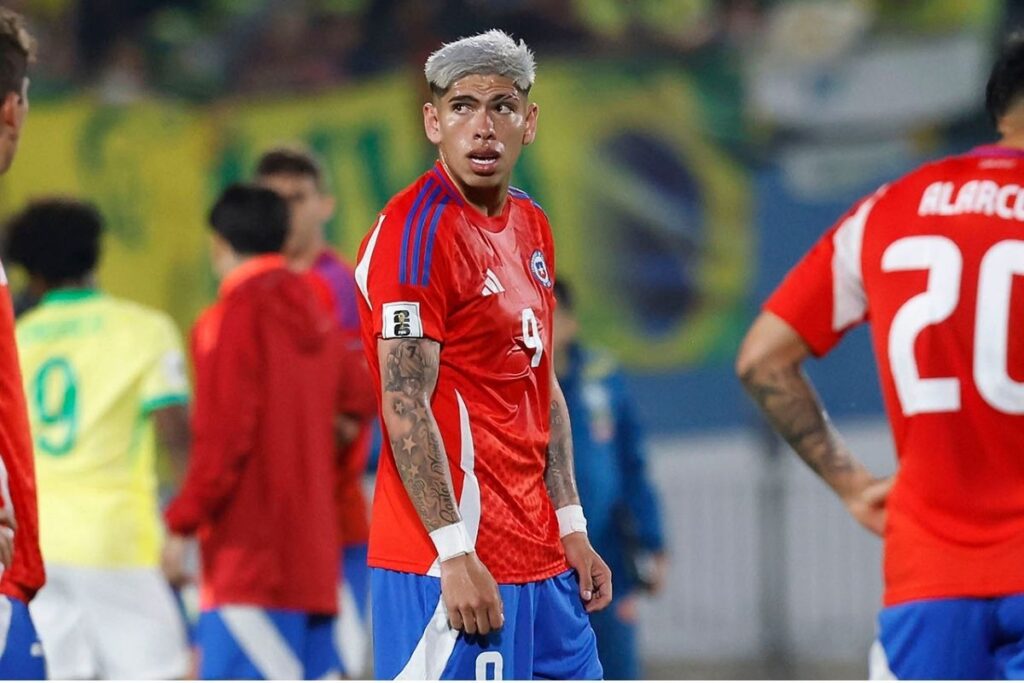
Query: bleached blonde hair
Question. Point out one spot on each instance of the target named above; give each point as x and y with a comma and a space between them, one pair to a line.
493, 52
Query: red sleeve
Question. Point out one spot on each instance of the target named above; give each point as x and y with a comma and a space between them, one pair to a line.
823, 296
409, 283
224, 419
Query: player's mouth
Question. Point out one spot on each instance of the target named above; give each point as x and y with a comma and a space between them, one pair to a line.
484, 162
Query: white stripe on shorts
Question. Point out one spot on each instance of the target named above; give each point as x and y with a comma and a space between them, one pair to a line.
6, 614
256, 634
434, 649
878, 664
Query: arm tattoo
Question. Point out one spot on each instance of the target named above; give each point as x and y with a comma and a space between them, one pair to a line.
558, 475
409, 376
794, 410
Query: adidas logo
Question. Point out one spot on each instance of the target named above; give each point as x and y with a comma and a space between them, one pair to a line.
491, 284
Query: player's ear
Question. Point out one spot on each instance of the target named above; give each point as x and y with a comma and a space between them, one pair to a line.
530, 133
9, 110
327, 206
432, 123
221, 255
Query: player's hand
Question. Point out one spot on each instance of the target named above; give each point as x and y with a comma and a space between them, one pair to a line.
867, 504
346, 429
173, 560
7, 528
594, 575
471, 595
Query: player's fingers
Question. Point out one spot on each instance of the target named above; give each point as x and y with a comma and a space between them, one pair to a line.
877, 492
483, 621
599, 601
7, 518
602, 577
468, 620
602, 597
586, 582
496, 617
455, 619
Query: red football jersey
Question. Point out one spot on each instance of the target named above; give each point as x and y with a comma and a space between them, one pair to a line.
25, 576
435, 267
935, 261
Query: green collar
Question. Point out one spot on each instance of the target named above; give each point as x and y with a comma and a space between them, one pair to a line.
69, 294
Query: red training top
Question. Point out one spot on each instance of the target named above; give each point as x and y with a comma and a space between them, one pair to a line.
259, 485
935, 261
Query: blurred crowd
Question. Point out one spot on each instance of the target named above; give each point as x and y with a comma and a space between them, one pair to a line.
198, 49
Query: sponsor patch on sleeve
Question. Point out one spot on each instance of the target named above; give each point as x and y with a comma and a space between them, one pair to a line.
402, 319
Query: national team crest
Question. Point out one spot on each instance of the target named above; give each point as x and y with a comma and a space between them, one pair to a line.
540, 268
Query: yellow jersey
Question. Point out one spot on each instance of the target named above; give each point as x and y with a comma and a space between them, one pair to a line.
95, 368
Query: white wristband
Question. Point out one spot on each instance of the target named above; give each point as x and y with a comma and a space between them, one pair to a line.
451, 541
571, 520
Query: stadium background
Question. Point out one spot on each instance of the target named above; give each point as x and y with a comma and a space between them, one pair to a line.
689, 152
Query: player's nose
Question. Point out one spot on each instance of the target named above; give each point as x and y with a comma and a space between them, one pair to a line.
484, 126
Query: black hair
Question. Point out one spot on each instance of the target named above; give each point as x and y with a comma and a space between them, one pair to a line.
564, 295
1006, 80
56, 239
252, 219
17, 49
290, 161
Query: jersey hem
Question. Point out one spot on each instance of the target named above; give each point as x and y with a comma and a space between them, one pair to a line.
949, 591
543, 574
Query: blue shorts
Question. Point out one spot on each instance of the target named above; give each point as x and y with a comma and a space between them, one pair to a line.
955, 638
241, 641
22, 657
546, 635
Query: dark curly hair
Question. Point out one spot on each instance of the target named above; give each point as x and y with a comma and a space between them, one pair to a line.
57, 239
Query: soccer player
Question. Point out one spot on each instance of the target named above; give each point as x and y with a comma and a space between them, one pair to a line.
21, 655
104, 379
259, 486
481, 562
934, 261
297, 176
623, 517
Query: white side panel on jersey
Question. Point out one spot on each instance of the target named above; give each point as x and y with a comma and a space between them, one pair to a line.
363, 268
433, 650
878, 664
469, 502
992, 328
262, 643
849, 301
